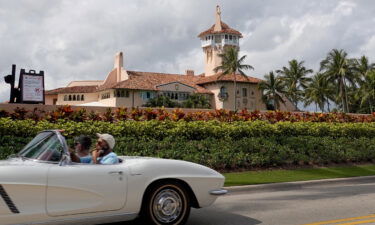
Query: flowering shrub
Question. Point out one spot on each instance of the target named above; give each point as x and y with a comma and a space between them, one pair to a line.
136, 114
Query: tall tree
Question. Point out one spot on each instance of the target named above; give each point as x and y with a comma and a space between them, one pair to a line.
367, 91
273, 88
232, 64
318, 91
295, 78
362, 66
338, 68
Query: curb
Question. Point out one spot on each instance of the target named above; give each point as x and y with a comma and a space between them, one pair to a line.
286, 186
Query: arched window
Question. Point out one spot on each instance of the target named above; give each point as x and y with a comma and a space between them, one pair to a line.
74, 97
78, 98
70, 98
223, 89
82, 98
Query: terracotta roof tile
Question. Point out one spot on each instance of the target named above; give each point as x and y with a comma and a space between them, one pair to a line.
228, 77
149, 81
225, 29
74, 89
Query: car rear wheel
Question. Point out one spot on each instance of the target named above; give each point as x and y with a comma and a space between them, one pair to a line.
167, 204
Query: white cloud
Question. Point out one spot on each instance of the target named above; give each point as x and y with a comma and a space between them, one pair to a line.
77, 40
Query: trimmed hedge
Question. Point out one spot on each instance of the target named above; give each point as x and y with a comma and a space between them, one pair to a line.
220, 145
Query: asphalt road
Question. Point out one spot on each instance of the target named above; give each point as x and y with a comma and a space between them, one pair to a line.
292, 205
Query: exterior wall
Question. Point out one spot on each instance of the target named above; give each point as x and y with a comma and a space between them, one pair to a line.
49, 99
89, 97
85, 83
211, 60
253, 101
176, 86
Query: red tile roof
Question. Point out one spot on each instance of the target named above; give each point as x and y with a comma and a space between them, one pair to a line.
228, 77
149, 81
74, 89
225, 29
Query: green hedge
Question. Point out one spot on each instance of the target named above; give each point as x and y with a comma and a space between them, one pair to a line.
218, 145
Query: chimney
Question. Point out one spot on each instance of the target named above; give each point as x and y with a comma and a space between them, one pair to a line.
119, 60
189, 72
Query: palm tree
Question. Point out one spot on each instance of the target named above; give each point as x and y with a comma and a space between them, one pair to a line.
295, 79
367, 91
232, 64
338, 68
362, 66
272, 88
318, 92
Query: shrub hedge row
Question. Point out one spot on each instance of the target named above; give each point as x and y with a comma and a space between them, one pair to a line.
220, 145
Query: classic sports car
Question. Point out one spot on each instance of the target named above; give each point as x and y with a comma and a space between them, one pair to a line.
41, 185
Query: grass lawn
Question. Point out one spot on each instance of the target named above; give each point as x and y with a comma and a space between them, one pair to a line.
276, 176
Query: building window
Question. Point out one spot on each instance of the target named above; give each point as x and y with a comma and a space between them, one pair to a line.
82, 98
65, 98
106, 95
122, 93
230, 37
223, 94
226, 36
74, 97
244, 92
70, 98
78, 97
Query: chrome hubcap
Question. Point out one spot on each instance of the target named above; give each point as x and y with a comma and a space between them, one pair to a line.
167, 206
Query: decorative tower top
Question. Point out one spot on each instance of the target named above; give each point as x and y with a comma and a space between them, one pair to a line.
218, 19
214, 40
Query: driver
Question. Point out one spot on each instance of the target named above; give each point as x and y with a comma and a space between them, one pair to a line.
103, 153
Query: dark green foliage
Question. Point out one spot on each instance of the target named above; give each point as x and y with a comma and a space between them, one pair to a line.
220, 145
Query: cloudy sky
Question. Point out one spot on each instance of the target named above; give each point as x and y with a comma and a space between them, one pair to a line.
77, 40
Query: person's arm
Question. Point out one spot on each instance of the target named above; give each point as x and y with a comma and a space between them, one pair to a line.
74, 157
95, 154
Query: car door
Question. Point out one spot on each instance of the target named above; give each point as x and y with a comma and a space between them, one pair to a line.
85, 188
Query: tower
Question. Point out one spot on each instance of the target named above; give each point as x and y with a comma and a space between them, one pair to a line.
215, 40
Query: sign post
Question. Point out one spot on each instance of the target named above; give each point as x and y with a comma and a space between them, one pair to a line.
31, 87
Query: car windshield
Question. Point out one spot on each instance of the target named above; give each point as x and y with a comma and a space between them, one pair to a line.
45, 146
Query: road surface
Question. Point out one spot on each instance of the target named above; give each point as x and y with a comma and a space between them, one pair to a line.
347, 203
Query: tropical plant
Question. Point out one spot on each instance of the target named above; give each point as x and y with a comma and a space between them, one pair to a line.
160, 101
295, 78
338, 68
197, 101
318, 92
367, 91
273, 89
232, 64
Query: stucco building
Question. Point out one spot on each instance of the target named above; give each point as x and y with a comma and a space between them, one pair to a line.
127, 88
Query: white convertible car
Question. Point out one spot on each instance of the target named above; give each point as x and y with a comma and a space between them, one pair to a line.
41, 185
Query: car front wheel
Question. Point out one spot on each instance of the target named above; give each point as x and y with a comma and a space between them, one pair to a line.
167, 204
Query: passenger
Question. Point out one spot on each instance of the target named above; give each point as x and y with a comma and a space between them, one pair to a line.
103, 153
81, 153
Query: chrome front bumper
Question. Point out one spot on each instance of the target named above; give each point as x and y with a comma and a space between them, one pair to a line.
219, 192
